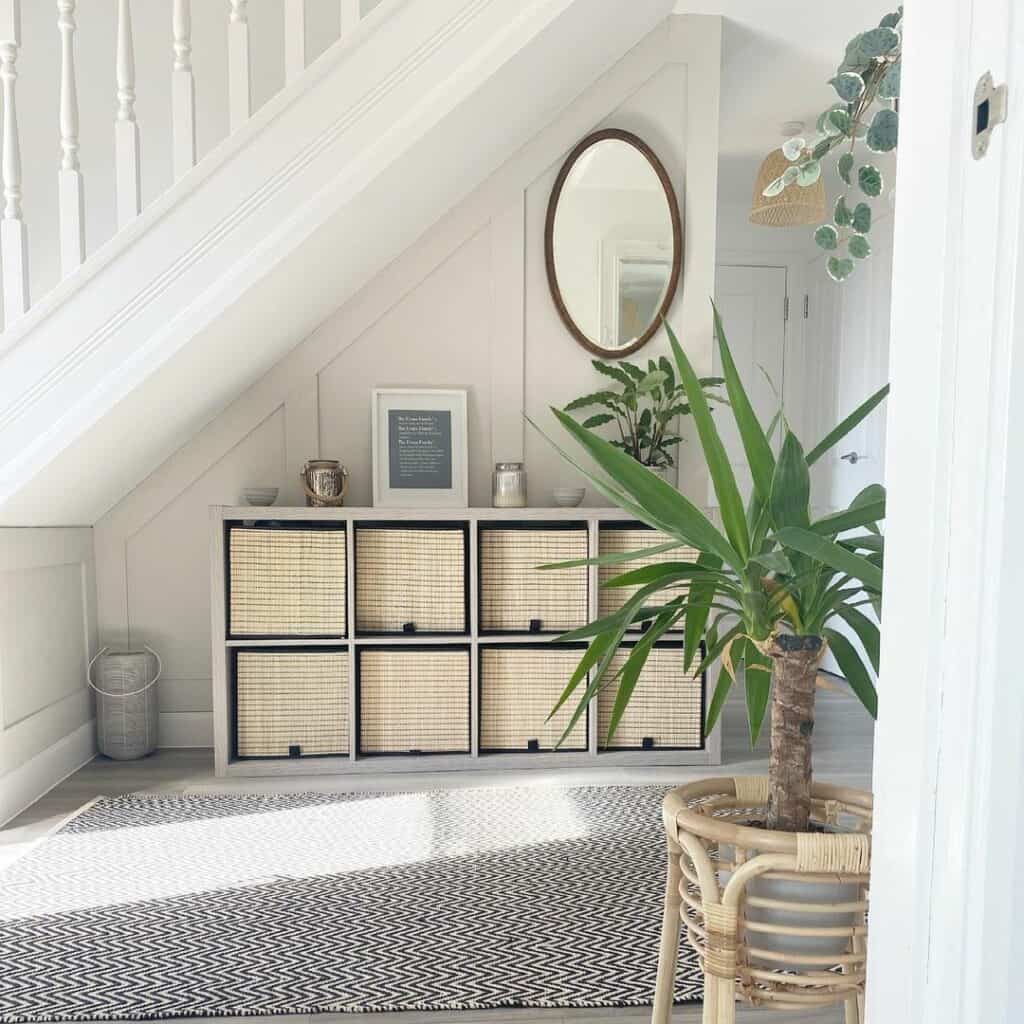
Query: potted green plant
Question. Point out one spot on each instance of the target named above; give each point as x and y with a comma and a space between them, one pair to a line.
643, 407
763, 595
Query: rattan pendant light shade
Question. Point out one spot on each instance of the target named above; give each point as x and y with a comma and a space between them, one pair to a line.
793, 206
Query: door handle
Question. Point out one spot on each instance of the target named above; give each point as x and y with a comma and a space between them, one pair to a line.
852, 458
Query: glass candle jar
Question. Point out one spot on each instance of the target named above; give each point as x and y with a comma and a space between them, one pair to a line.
508, 485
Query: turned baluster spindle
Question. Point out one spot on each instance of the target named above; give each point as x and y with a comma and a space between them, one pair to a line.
13, 237
69, 177
294, 38
126, 130
239, 88
183, 96
349, 16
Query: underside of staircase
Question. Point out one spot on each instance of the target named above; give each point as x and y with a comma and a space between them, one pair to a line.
249, 251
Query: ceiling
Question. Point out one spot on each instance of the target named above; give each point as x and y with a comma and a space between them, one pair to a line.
777, 58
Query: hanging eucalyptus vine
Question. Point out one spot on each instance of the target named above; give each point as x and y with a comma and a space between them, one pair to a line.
868, 85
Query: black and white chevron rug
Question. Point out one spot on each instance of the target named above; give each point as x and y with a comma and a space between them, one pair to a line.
153, 907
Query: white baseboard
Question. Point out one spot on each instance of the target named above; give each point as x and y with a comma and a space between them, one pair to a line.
186, 729
22, 787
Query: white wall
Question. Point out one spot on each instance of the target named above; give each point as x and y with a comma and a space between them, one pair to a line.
466, 306
95, 47
47, 634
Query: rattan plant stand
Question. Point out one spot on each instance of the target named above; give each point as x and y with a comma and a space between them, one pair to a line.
778, 919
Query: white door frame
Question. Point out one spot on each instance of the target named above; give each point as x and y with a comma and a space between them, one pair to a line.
947, 882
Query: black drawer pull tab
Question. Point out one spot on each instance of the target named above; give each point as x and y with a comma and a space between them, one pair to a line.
647, 743
534, 625
408, 627
294, 750
533, 746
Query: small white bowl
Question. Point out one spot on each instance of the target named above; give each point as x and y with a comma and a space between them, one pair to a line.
260, 496
568, 497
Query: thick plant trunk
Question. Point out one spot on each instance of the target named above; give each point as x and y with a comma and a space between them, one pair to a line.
795, 661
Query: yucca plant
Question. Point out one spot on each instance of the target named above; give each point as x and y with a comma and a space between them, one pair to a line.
761, 594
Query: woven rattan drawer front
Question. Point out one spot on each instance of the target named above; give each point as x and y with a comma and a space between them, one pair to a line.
516, 597
666, 709
615, 540
286, 582
518, 688
410, 580
413, 700
291, 701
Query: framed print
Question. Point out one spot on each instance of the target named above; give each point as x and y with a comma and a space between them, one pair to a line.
420, 452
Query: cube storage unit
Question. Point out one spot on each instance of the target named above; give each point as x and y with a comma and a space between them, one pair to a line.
291, 703
345, 641
413, 700
666, 711
519, 685
412, 579
621, 538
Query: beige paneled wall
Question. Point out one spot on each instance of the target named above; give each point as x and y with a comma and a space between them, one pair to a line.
47, 635
466, 306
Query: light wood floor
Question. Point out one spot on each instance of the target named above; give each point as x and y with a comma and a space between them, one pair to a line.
843, 745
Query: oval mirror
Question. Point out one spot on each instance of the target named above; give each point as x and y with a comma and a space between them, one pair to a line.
612, 243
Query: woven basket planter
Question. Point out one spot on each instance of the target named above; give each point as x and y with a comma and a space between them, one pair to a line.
413, 700
666, 710
519, 685
517, 597
286, 582
410, 580
619, 540
291, 703
778, 919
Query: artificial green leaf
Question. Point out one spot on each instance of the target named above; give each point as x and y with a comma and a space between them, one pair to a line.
598, 646
791, 485
632, 369
667, 572
842, 214
651, 381
773, 188
826, 237
837, 122
649, 498
849, 85
719, 468
850, 518
878, 42
869, 178
831, 554
889, 87
790, 174
630, 673
616, 558
854, 671
862, 218
792, 148
863, 542
722, 688
612, 371
598, 420
859, 247
839, 268
844, 166
757, 682
883, 133
840, 431
808, 173
597, 398
670, 375
866, 630
892, 20
822, 148
755, 445
702, 594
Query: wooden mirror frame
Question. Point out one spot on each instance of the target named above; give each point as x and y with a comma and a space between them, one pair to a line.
549, 245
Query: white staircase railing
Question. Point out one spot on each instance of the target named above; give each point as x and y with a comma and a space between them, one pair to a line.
71, 193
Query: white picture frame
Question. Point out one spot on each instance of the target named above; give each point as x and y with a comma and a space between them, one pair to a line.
420, 448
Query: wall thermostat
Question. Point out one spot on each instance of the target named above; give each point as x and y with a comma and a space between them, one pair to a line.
989, 110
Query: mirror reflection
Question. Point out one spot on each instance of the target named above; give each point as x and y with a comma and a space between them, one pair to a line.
613, 245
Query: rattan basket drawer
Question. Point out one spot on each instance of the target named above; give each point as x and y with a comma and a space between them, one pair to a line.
519, 685
666, 711
291, 703
517, 597
411, 579
413, 700
286, 582
616, 540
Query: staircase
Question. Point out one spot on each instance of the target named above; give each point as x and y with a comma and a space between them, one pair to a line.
197, 294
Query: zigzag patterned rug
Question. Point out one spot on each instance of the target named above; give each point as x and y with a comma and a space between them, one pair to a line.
153, 907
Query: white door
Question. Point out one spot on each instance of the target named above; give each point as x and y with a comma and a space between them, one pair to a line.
751, 301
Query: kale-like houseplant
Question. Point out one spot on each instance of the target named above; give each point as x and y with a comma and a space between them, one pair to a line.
642, 407
764, 592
